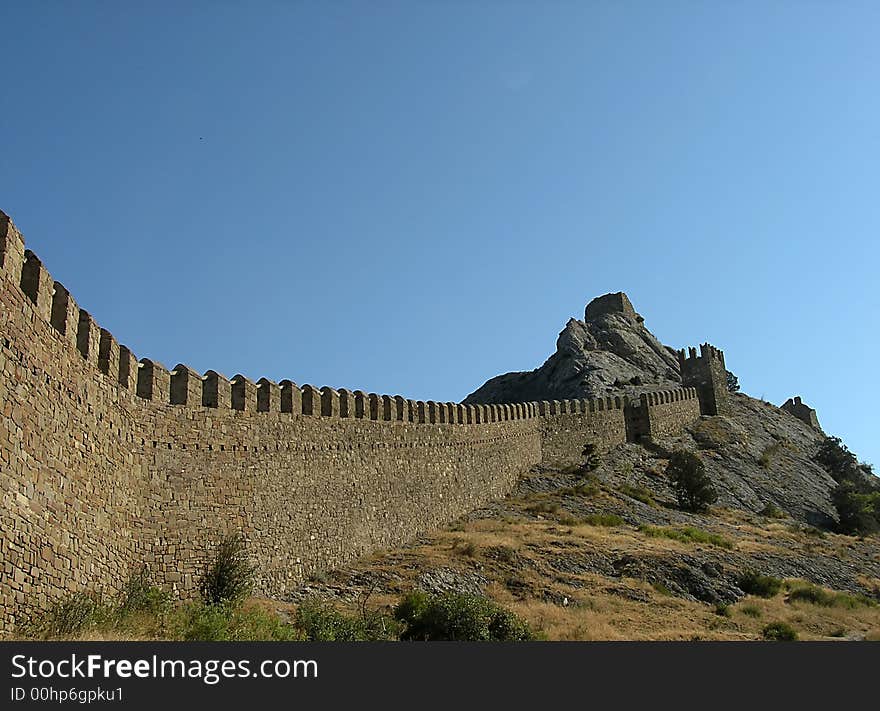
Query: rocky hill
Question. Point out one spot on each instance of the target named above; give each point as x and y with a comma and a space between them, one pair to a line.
604, 550
608, 353
757, 455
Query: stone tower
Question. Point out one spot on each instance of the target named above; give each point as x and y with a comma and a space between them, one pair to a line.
708, 374
795, 406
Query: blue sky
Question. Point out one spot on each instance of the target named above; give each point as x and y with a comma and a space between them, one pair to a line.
411, 197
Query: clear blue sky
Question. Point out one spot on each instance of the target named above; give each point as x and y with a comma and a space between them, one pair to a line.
411, 197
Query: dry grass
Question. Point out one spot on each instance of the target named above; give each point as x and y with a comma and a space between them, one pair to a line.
592, 607
528, 555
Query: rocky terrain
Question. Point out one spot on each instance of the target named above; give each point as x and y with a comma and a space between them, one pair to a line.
757, 455
610, 352
605, 552
609, 555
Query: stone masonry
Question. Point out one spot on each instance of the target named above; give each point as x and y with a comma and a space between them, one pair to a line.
108, 462
805, 413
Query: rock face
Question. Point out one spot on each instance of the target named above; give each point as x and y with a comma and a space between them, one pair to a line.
756, 454
610, 352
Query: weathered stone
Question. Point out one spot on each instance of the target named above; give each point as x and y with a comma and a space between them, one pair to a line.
611, 352
141, 465
805, 413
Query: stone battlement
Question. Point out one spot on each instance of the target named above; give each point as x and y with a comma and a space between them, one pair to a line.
108, 461
805, 413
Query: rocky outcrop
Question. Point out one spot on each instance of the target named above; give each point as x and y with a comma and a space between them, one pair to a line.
609, 352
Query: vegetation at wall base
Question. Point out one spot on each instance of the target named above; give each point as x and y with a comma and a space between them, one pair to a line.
229, 577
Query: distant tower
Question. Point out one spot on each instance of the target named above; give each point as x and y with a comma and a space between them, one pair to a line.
795, 406
708, 375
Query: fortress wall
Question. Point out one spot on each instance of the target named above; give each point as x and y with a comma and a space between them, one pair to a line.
599, 422
100, 472
70, 486
107, 462
313, 493
668, 411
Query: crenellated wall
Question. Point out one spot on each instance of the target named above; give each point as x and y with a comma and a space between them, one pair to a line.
568, 425
669, 411
107, 461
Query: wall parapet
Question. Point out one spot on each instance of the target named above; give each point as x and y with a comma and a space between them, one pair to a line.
184, 386
154, 462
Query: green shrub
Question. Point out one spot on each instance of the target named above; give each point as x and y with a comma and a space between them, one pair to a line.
587, 489
779, 632
639, 493
591, 457
67, 617
772, 511
567, 519
834, 456
453, 616
753, 583
769, 453
542, 507
686, 534
692, 485
722, 609
228, 622
607, 520
732, 382
321, 623
814, 595
139, 595
859, 511
229, 577
751, 611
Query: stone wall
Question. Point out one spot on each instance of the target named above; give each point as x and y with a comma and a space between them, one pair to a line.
312, 494
568, 426
795, 406
669, 411
108, 462
72, 489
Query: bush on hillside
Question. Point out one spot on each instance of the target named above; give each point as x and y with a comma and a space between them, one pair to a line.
692, 485
856, 500
732, 382
461, 617
319, 622
753, 583
859, 512
779, 632
834, 456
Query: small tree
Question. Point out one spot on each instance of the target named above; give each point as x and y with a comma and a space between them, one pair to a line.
692, 485
837, 459
859, 511
732, 382
229, 577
